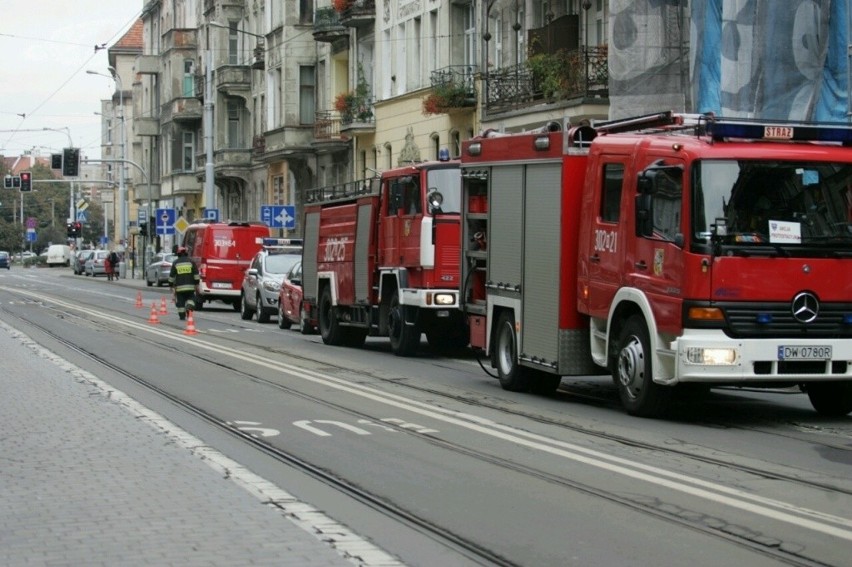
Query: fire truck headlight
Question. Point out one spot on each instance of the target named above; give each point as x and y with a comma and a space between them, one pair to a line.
444, 299
711, 356
270, 285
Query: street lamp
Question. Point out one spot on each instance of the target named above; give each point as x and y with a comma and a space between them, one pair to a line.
122, 190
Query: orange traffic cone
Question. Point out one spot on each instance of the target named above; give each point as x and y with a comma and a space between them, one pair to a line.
190, 324
153, 319
163, 310
139, 300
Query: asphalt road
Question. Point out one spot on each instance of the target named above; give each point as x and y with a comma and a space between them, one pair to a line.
433, 462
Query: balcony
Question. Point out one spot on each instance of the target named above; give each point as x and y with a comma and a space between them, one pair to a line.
234, 80
182, 183
148, 64
182, 39
232, 158
452, 89
144, 192
288, 142
181, 110
145, 126
356, 113
327, 136
357, 13
578, 74
327, 26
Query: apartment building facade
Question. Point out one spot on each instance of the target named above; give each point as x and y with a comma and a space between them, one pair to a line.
275, 97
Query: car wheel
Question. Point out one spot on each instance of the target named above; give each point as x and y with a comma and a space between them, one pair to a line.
262, 314
283, 322
832, 399
330, 329
633, 372
304, 327
148, 282
404, 338
245, 311
513, 377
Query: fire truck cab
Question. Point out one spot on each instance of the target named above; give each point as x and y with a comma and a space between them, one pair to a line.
665, 250
381, 258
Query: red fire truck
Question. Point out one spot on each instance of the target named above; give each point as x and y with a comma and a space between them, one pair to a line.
381, 258
665, 250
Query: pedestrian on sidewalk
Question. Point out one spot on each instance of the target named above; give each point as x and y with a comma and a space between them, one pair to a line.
110, 264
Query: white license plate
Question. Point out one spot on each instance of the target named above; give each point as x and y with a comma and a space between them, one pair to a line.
804, 352
221, 285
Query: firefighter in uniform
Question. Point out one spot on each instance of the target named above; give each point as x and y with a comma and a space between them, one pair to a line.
183, 279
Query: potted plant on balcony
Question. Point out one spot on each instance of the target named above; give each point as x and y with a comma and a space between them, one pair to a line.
446, 97
354, 105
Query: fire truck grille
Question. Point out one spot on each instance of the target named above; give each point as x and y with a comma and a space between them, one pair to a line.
747, 320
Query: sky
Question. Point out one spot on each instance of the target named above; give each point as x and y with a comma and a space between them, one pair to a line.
46, 46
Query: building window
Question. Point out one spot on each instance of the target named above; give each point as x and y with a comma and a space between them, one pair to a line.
306, 11
307, 94
389, 153
188, 78
455, 142
233, 43
234, 131
109, 131
278, 195
436, 145
470, 36
189, 151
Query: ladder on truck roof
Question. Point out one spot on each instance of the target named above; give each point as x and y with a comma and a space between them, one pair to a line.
343, 191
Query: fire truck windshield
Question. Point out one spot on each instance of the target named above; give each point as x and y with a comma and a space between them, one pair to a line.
446, 181
750, 203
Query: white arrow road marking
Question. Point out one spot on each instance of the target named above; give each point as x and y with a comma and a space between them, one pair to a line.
252, 427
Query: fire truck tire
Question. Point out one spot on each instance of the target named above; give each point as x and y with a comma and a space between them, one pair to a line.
833, 399
404, 339
304, 326
283, 322
330, 329
262, 314
633, 372
245, 311
513, 377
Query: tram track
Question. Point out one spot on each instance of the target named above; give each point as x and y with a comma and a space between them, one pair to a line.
453, 541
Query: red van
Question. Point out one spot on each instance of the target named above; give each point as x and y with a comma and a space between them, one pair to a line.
223, 251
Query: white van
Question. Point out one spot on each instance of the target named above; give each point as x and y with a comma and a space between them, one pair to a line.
58, 255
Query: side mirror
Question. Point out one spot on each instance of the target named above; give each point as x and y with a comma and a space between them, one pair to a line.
644, 215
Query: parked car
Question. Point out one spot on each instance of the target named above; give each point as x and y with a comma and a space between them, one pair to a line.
290, 310
78, 261
262, 280
157, 272
58, 255
95, 263
5, 260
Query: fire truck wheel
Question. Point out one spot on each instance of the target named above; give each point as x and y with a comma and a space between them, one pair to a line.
245, 311
262, 314
633, 372
283, 322
330, 330
404, 338
833, 399
513, 377
304, 326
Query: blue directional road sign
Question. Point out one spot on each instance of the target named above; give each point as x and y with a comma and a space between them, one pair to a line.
211, 214
279, 216
165, 221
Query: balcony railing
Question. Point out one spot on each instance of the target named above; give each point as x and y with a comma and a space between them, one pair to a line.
359, 13
327, 126
580, 73
452, 88
358, 114
327, 26
258, 145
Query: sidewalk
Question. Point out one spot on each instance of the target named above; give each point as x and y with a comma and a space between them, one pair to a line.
90, 477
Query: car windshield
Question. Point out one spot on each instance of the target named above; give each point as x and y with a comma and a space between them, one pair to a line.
169, 258
774, 204
280, 263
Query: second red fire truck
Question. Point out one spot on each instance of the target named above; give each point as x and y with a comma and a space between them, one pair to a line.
664, 250
381, 258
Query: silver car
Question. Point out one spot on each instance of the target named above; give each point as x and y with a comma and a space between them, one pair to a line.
157, 272
78, 261
95, 263
262, 281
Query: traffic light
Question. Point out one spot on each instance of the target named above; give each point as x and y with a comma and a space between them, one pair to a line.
55, 161
69, 230
7, 182
143, 229
71, 162
78, 229
26, 181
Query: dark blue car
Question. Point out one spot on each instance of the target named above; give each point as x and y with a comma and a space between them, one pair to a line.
5, 260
